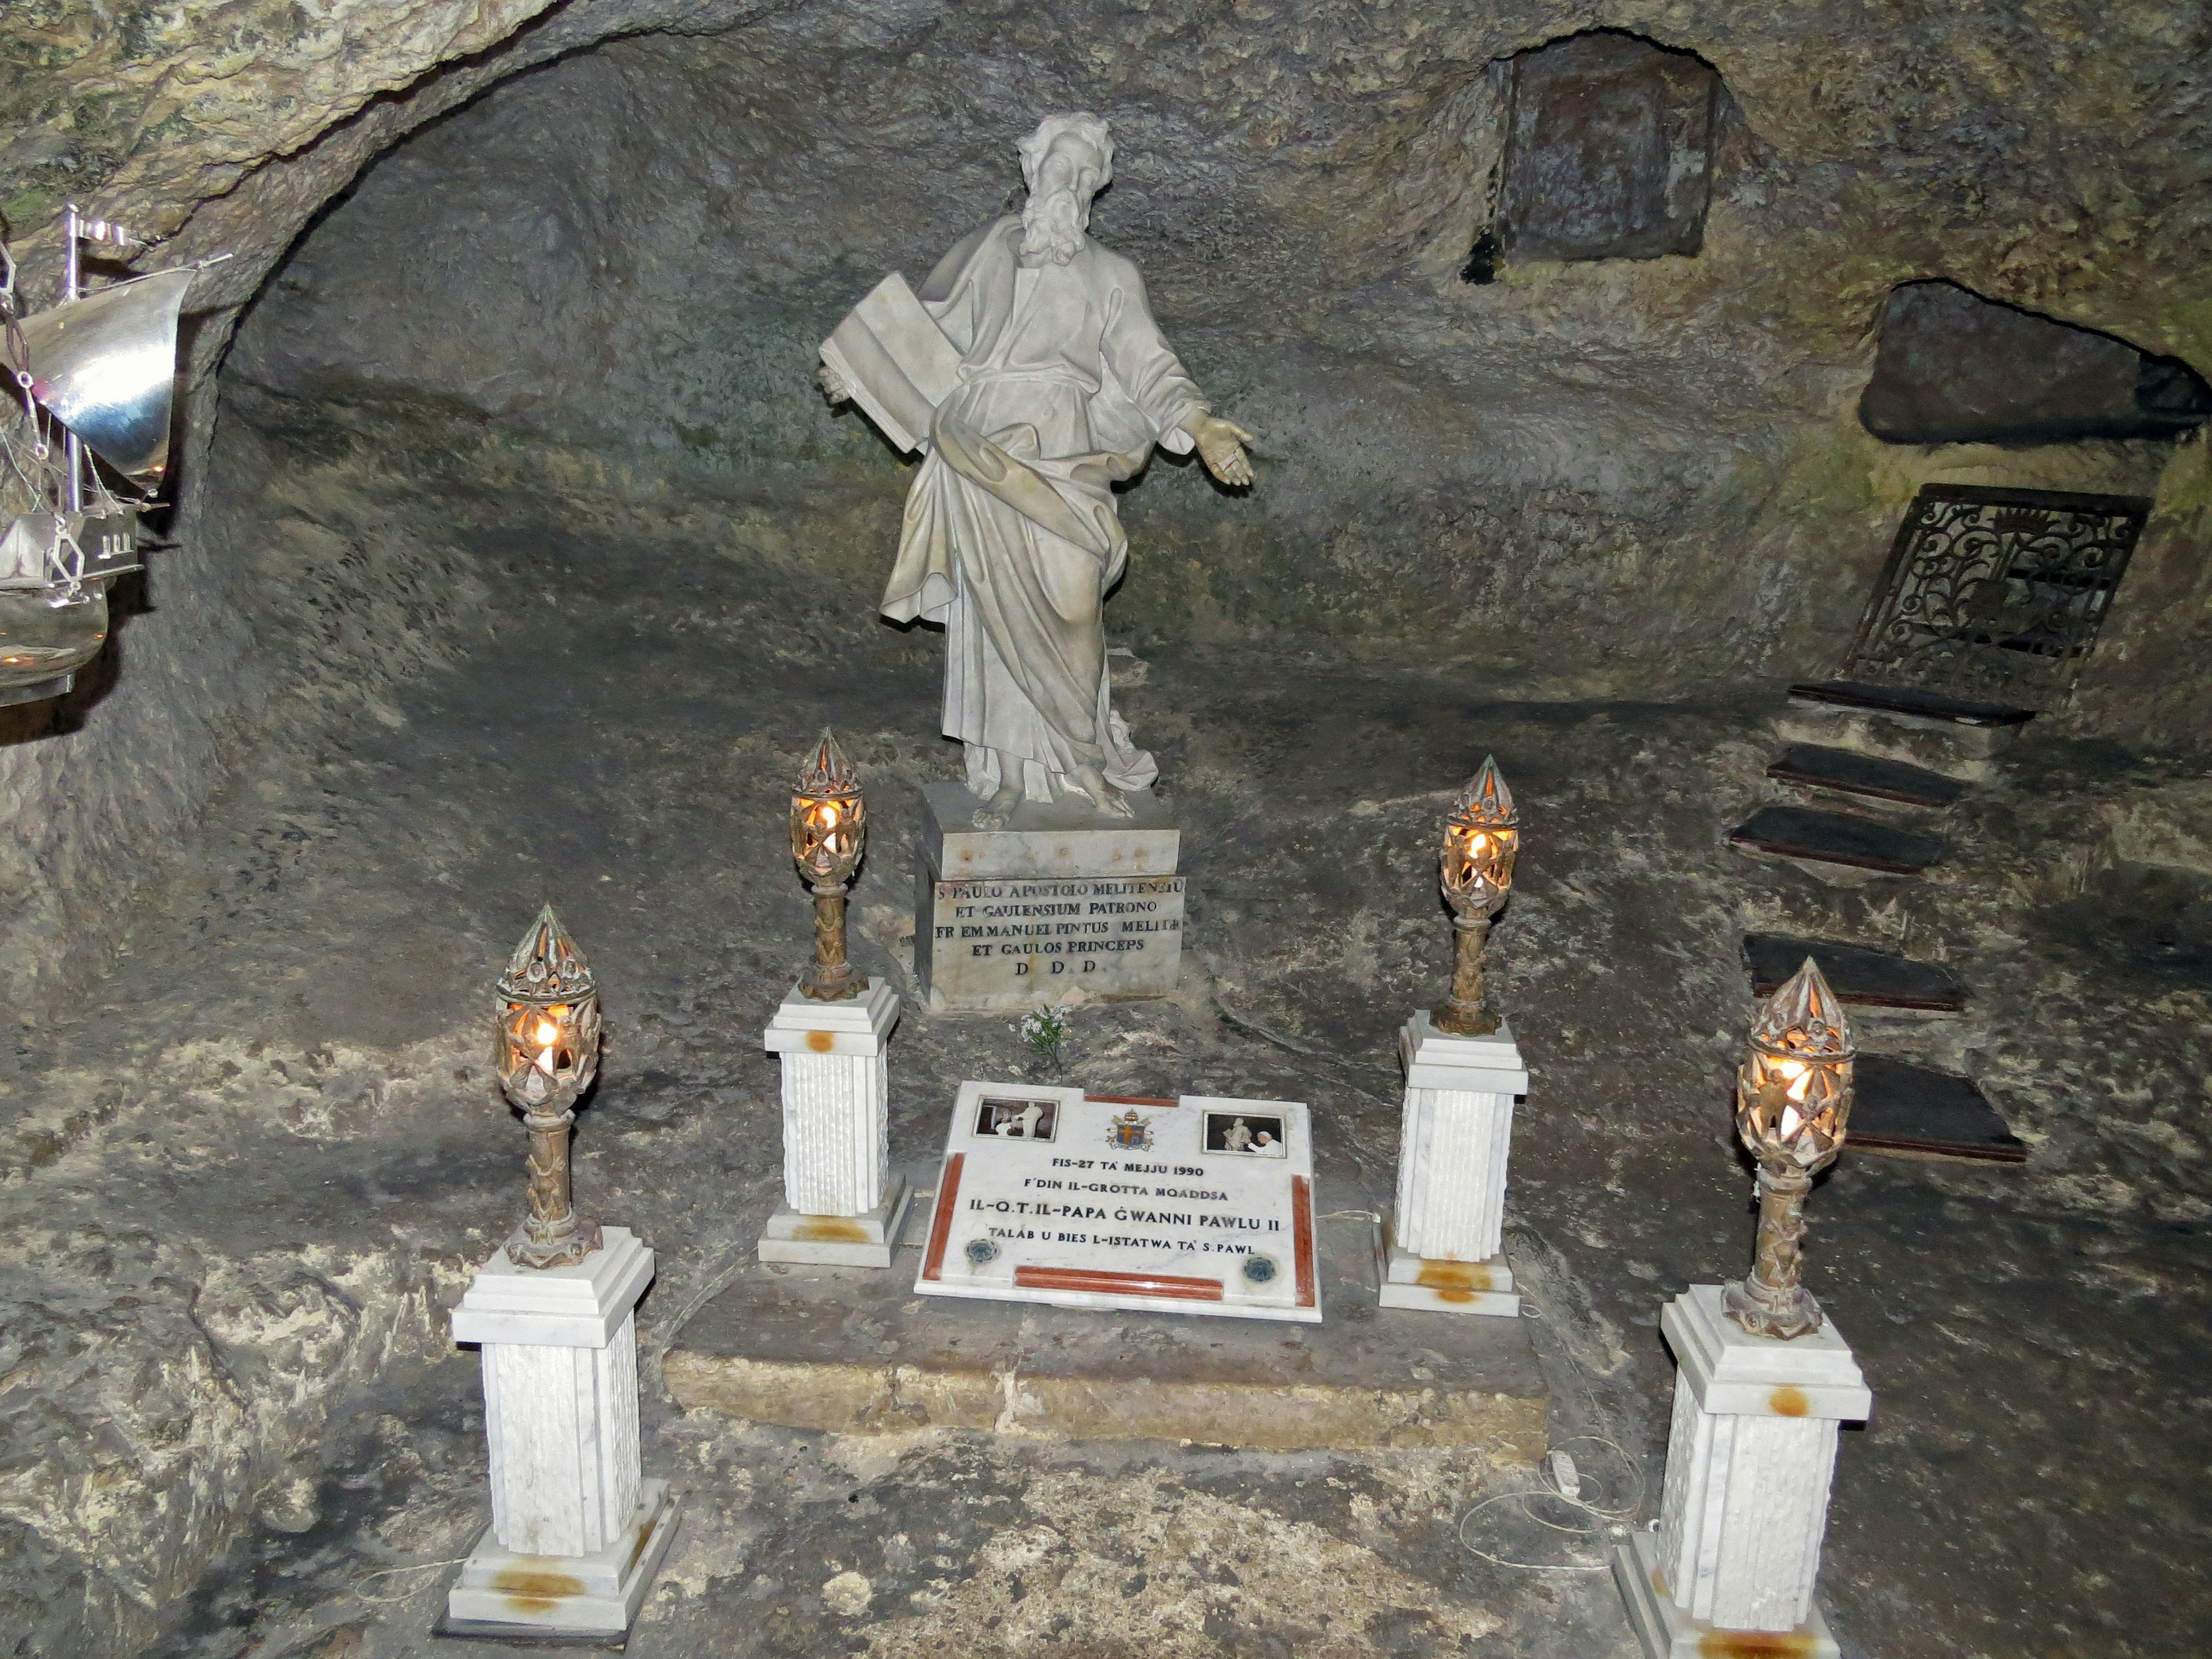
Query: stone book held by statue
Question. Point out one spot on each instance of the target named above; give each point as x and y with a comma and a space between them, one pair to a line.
895, 361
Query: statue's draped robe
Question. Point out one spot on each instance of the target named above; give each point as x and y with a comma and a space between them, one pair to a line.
1010, 537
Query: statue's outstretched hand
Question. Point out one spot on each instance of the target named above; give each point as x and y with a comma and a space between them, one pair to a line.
833, 386
1221, 447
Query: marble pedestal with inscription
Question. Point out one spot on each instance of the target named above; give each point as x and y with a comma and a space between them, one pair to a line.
842, 1206
1063, 904
1443, 1249
576, 1532
1749, 1460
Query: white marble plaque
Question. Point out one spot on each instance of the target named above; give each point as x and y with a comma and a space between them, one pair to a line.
1202, 1205
1005, 944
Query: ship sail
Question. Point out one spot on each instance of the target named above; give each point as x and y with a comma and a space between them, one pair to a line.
106, 368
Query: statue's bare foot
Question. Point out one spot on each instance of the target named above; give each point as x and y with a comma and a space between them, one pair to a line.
1103, 795
994, 813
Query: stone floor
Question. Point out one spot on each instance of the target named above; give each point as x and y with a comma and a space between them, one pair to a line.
252, 1169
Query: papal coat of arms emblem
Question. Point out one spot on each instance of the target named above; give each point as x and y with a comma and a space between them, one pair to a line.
1129, 1131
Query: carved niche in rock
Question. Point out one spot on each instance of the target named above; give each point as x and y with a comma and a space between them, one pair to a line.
1609, 150
1954, 367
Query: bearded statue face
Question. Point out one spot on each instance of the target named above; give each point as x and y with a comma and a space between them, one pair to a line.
1058, 212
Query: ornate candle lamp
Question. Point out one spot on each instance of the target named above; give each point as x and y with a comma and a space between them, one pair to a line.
1443, 1248
1793, 1098
829, 829
548, 1053
1482, 838
842, 1204
573, 1518
1762, 1380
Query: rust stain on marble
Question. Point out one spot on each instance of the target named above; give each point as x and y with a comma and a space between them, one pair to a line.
1454, 1281
521, 1585
1789, 1402
831, 1229
1754, 1644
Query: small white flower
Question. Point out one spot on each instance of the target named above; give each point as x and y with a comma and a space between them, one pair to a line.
1044, 1030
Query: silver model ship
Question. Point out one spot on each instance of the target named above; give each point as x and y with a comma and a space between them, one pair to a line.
84, 447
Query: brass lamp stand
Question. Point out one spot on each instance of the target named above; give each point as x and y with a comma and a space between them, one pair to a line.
829, 829
1793, 1102
548, 1053
1482, 836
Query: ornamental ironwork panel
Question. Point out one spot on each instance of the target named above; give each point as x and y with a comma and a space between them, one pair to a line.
1997, 595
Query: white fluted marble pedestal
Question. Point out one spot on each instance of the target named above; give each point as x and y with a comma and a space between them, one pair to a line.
576, 1533
1443, 1249
1748, 1463
841, 1205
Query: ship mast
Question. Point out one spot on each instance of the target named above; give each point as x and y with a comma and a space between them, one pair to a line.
72, 288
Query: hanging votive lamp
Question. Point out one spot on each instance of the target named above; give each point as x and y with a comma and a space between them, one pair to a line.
829, 829
1482, 836
548, 1053
1793, 1100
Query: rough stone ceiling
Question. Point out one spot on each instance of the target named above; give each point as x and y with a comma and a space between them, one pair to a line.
2048, 154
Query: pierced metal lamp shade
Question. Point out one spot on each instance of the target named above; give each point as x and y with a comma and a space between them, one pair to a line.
548, 1020
1482, 836
1794, 1093
1793, 1101
829, 818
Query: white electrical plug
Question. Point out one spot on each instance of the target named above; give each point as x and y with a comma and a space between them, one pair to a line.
1566, 1476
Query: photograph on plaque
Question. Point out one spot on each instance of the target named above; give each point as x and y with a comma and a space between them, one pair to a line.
1018, 1117
1246, 1134
1197, 1205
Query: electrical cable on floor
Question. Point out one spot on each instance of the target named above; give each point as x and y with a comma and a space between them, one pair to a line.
386, 1572
1563, 1472
730, 1262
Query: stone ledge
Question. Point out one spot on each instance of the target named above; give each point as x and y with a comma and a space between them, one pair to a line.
854, 1351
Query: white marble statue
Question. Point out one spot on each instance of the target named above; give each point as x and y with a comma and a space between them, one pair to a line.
1043, 381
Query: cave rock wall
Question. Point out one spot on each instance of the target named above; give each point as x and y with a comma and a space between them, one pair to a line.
622, 224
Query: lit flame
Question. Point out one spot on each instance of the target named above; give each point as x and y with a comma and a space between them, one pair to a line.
546, 1035
1800, 1077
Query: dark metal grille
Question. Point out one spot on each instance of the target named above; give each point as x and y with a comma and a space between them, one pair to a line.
1997, 594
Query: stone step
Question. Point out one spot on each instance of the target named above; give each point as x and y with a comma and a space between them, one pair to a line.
1805, 832
1910, 702
854, 1351
1964, 752
1874, 979
1851, 772
1905, 1110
